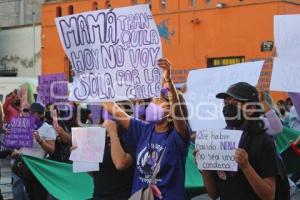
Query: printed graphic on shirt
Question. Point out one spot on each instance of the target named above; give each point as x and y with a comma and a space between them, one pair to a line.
147, 160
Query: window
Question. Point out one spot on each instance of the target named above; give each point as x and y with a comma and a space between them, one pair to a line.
70, 10
163, 4
107, 4
216, 62
192, 3
95, 6
134, 2
58, 12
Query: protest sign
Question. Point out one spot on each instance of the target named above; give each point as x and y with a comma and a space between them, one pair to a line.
287, 35
79, 167
20, 134
53, 88
217, 149
205, 110
90, 144
113, 52
286, 75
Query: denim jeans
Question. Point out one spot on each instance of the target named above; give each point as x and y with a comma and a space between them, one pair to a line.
18, 188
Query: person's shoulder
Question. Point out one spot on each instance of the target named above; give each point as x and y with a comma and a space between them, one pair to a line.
46, 127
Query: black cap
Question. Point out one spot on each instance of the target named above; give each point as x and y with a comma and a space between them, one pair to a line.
242, 92
37, 107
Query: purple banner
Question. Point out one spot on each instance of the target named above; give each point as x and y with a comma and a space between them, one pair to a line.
59, 91
20, 134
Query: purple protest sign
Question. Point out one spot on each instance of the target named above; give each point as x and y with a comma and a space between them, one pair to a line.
53, 88
20, 134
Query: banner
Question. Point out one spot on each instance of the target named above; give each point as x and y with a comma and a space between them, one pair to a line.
217, 149
113, 52
59, 180
53, 88
205, 110
20, 134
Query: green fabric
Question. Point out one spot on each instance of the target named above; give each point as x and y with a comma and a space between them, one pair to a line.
283, 140
193, 179
59, 179
62, 183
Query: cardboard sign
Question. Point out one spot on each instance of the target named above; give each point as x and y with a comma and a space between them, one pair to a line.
287, 35
217, 149
52, 88
205, 110
90, 144
21, 130
113, 52
286, 75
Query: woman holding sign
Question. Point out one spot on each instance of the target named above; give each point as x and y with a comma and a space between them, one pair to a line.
161, 142
259, 175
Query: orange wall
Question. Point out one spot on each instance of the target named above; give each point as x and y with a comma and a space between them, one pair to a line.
238, 29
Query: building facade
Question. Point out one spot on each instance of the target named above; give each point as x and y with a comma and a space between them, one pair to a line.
194, 33
19, 12
20, 51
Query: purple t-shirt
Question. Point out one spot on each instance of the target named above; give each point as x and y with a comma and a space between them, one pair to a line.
149, 147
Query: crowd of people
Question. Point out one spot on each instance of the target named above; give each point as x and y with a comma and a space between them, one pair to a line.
147, 143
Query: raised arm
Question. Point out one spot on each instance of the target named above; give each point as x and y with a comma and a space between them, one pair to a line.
119, 115
121, 159
175, 104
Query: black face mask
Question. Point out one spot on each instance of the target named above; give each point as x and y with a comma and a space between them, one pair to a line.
233, 115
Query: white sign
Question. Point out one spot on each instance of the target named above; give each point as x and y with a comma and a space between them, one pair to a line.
286, 75
205, 110
90, 144
79, 167
216, 149
287, 35
113, 52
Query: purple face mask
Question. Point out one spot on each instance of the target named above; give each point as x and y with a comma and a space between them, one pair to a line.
106, 115
154, 113
138, 111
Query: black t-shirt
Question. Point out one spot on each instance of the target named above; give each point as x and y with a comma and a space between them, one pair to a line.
262, 157
109, 183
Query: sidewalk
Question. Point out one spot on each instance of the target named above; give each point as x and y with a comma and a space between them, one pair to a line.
6, 179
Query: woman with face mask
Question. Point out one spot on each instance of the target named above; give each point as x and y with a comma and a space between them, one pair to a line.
164, 136
260, 175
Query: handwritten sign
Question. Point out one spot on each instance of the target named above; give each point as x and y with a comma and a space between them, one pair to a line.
286, 75
113, 52
217, 149
21, 130
205, 110
53, 88
90, 144
287, 35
